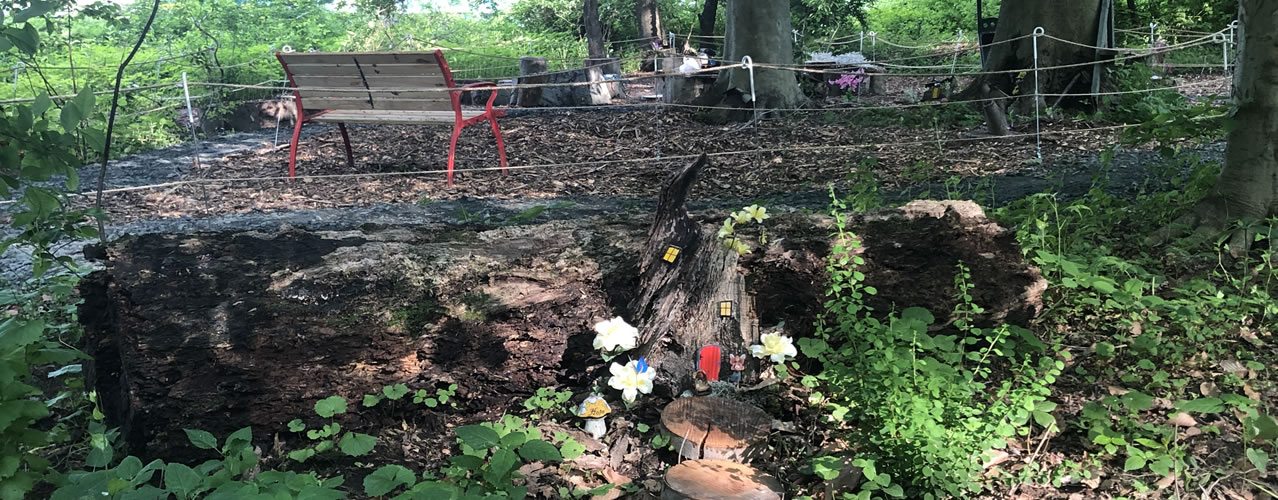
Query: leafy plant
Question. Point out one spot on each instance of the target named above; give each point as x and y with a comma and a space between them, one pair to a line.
547, 402
329, 436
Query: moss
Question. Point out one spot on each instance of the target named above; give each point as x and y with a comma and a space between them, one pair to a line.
414, 317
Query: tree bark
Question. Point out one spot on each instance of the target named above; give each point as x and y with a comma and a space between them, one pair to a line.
759, 29
1013, 51
1248, 185
594, 30
677, 305
706, 22
649, 19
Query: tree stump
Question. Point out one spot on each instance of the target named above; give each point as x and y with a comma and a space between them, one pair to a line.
531, 70
718, 480
686, 275
715, 428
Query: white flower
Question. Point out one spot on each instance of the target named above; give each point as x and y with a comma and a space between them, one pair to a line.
727, 229
756, 212
778, 346
615, 333
632, 379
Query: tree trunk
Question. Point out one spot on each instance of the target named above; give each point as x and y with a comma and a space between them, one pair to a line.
649, 19
706, 22
677, 305
594, 31
1077, 22
1248, 185
759, 29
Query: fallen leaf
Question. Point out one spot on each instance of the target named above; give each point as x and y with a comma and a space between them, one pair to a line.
1251, 393
1117, 391
615, 477
1182, 420
1166, 481
1209, 389
1234, 366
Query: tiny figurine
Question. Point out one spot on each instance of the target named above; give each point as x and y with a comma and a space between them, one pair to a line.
708, 360
700, 384
737, 364
594, 409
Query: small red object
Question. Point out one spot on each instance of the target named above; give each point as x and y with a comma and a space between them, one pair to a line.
708, 359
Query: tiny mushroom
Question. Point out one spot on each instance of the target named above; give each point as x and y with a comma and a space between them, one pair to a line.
594, 409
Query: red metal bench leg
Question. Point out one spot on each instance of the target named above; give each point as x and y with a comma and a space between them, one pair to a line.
292, 146
501, 146
346, 141
452, 152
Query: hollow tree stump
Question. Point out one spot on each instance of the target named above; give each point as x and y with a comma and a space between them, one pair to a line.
715, 428
531, 70
677, 306
718, 480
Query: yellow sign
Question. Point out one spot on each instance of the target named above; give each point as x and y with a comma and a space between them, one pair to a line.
672, 253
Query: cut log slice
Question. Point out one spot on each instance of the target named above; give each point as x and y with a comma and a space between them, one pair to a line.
716, 428
718, 480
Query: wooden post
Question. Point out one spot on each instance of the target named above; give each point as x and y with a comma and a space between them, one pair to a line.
531, 70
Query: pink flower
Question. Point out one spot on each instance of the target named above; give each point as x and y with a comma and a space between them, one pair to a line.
850, 81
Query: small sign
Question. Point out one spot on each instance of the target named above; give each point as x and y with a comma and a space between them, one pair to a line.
725, 309
672, 253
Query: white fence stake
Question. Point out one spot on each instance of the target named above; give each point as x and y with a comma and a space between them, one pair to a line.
1224, 48
1152, 40
190, 116
16, 69
1038, 138
749, 66
874, 44
860, 48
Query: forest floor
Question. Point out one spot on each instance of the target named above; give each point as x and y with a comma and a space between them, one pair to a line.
570, 165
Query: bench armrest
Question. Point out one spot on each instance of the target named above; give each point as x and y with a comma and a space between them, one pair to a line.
491, 98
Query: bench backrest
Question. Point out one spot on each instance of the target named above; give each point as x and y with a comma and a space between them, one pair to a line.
323, 80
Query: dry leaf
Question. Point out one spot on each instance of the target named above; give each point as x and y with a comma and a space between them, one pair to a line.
1251, 393
1209, 389
1166, 481
1250, 336
1234, 366
1191, 432
1182, 420
614, 477
1117, 391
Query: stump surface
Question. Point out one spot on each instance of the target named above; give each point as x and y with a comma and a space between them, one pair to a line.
715, 428
719, 480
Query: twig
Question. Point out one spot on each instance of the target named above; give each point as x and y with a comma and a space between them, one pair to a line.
115, 104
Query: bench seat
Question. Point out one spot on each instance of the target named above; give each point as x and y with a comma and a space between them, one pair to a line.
395, 117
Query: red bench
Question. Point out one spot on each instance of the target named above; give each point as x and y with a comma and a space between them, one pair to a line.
385, 88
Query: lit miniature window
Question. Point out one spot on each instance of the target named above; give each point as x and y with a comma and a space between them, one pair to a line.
672, 253
725, 309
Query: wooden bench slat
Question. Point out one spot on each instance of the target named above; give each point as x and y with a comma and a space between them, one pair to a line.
395, 117
374, 81
380, 95
348, 68
362, 103
364, 58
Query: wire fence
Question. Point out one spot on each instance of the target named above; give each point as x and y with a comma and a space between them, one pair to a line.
176, 97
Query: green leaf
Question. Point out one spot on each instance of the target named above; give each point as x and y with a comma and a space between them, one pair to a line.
478, 436
15, 333
386, 479
27, 39
317, 492
395, 392
918, 314
243, 435
371, 400
37, 8
356, 444
70, 117
571, 449
182, 480
201, 439
1202, 405
500, 466
827, 468
1258, 458
296, 425
301, 455
1137, 401
1134, 463
96, 138
84, 101
1261, 427
329, 406
42, 103
538, 450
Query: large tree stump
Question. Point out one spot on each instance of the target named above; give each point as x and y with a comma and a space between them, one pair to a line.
677, 307
532, 70
719, 480
716, 428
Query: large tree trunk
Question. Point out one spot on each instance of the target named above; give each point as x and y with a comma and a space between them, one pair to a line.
759, 29
677, 304
1076, 21
705, 23
594, 31
1248, 185
649, 19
